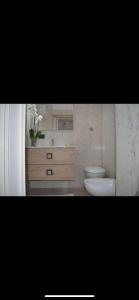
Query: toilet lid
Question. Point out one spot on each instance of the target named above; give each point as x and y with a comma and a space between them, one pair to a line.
95, 169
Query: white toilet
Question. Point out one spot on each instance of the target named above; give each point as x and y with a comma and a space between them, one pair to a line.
100, 186
96, 184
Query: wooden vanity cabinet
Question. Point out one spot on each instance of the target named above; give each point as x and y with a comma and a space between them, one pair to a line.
50, 163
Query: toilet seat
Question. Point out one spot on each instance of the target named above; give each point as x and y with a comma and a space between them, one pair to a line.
95, 169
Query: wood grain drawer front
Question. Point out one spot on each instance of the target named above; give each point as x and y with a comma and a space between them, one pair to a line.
50, 172
50, 156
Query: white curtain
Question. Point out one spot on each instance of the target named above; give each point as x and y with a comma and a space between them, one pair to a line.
12, 149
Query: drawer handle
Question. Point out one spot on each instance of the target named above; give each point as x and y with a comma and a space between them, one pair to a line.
49, 172
49, 155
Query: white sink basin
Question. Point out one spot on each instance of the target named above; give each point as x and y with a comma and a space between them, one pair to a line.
58, 146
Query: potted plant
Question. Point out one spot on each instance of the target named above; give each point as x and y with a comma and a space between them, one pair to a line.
35, 133
34, 136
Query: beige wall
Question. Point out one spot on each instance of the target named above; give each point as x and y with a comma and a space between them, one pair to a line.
127, 148
95, 147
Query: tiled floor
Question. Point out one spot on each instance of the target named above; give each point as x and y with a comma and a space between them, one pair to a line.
57, 191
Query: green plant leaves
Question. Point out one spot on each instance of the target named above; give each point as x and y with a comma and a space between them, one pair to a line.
38, 134
32, 133
35, 135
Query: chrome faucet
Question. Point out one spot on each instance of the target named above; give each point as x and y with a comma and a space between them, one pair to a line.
52, 142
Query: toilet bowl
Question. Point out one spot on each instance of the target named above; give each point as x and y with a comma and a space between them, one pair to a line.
94, 172
100, 186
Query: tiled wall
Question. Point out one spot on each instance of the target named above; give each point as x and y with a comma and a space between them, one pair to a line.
87, 137
92, 124
109, 139
127, 149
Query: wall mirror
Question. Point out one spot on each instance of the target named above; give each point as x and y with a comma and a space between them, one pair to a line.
55, 116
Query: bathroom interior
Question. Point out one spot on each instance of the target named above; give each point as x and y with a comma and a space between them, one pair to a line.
82, 149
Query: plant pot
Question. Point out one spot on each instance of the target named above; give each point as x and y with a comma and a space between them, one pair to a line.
33, 142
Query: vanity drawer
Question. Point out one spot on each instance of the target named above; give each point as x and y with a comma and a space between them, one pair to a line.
50, 156
50, 172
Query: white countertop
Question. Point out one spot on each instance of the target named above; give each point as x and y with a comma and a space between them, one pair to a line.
51, 147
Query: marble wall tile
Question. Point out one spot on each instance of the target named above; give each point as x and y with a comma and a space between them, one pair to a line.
109, 139
127, 149
87, 117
